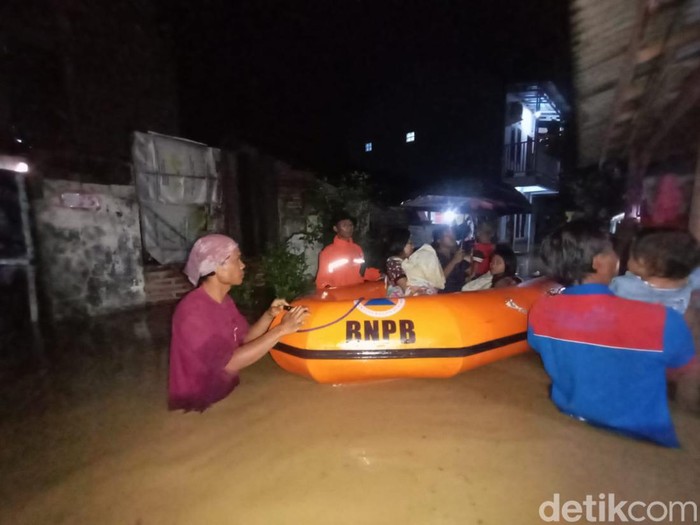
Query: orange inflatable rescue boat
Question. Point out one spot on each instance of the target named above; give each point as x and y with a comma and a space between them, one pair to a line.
356, 333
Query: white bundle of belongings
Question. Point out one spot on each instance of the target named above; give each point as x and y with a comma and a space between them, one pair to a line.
423, 271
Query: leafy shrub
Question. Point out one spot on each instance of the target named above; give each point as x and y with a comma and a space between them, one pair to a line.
250, 296
285, 272
352, 193
244, 295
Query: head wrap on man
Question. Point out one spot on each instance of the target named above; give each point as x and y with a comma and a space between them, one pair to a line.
207, 254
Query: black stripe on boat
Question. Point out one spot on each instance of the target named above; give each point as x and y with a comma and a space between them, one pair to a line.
401, 353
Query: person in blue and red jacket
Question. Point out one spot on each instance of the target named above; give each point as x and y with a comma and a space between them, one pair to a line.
606, 356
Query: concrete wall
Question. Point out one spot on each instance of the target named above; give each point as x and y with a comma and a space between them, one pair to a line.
295, 214
293, 207
89, 257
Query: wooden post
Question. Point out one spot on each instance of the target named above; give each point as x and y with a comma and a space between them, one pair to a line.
29, 266
694, 220
28, 246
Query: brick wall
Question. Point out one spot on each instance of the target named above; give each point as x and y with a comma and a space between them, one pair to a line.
165, 284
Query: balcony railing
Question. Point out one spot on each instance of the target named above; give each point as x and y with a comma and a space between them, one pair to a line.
525, 158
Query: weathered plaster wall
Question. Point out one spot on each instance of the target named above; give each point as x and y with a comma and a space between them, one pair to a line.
293, 207
294, 212
89, 259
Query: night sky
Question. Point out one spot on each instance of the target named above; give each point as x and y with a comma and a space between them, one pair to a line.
299, 78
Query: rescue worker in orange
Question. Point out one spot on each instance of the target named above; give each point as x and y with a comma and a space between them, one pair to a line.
342, 263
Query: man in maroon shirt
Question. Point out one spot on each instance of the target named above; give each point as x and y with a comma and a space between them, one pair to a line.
211, 340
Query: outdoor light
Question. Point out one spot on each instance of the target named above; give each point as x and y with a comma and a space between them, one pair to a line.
532, 189
527, 120
14, 163
449, 216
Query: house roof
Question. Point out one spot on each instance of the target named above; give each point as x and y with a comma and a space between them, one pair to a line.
637, 78
471, 197
542, 96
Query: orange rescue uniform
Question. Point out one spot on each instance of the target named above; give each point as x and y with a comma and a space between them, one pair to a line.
339, 264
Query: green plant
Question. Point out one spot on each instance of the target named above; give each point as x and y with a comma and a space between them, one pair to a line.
598, 193
285, 272
244, 295
352, 193
282, 271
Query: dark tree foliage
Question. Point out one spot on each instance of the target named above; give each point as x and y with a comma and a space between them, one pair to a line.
78, 77
595, 193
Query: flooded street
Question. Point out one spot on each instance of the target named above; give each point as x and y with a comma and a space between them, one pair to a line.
88, 440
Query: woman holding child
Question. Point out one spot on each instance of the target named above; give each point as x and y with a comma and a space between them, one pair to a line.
411, 272
502, 271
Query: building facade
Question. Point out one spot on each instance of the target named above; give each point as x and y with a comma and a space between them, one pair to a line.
535, 117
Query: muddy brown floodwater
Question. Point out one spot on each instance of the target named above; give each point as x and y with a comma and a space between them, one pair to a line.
86, 439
